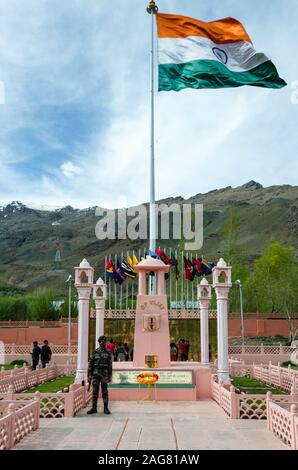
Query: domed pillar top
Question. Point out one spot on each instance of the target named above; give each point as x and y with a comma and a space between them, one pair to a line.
151, 265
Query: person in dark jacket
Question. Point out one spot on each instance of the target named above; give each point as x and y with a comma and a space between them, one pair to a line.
36, 351
126, 351
46, 353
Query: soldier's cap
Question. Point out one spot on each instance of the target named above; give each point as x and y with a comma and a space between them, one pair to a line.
102, 338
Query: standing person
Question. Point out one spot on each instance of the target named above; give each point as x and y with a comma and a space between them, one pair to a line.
100, 372
35, 355
131, 353
187, 348
126, 351
112, 346
182, 349
120, 352
46, 353
173, 352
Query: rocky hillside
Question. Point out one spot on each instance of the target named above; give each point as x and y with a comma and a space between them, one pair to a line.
31, 238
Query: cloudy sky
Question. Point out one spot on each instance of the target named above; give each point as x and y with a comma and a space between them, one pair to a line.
74, 128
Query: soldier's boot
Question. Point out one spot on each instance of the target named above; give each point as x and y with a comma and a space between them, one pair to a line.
92, 410
106, 409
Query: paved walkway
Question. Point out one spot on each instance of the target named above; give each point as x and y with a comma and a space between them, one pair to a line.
152, 426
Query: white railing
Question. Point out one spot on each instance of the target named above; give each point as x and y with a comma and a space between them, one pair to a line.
54, 405
282, 420
179, 314
29, 378
57, 349
17, 419
244, 405
262, 349
249, 349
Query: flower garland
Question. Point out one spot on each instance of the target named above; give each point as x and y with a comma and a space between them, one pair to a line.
147, 378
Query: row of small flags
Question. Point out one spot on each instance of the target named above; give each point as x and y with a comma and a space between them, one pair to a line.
124, 268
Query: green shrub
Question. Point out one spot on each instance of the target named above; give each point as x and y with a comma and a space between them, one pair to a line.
19, 362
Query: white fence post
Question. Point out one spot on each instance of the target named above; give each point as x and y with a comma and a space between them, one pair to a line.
269, 372
37, 398
11, 413
268, 399
294, 413
294, 394
234, 403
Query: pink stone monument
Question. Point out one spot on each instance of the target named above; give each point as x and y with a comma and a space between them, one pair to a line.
152, 336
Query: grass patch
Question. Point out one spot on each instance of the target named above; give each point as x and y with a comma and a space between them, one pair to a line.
251, 385
53, 386
8, 366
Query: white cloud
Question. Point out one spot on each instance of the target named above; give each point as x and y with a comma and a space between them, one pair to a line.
60, 58
70, 170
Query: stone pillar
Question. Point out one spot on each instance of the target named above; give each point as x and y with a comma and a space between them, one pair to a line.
160, 283
99, 296
222, 284
152, 335
83, 333
83, 283
100, 315
142, 283
204, 297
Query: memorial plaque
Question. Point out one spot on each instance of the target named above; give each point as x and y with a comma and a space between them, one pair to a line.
170, 377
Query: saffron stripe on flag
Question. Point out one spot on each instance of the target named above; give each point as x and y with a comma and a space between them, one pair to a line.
220, 31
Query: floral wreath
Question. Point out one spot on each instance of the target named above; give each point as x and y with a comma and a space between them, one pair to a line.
147, 378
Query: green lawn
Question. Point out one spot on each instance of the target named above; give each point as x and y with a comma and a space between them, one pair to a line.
53, 386
250, 385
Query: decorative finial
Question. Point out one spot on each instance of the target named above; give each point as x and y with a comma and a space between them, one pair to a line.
152, 8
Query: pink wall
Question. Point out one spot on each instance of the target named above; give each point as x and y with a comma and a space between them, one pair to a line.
28, 335
256, 327
58, 335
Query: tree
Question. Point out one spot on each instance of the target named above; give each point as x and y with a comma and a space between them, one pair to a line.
41, 306
273, 284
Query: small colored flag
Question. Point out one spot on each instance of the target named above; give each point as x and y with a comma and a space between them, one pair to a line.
111, 270
153, 255
163, 256
135, 260
218, 54
120, 273
207, 267
175, 265
129, 261
128, 270
189, 269
198, 266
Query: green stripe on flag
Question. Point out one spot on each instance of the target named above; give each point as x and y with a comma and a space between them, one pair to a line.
214, 74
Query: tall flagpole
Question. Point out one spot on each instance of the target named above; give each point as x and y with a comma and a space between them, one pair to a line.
152, 9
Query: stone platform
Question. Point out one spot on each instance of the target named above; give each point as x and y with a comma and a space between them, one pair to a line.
198, 388
199, 425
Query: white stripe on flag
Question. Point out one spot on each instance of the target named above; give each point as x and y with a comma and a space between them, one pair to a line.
237, 56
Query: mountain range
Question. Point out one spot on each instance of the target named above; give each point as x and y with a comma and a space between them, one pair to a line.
39, 247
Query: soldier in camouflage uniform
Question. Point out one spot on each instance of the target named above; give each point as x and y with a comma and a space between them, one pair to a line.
100, 372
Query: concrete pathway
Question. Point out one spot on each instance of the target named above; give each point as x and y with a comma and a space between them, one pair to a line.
152, 426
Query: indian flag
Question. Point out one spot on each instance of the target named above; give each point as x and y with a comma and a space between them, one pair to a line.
219, 54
